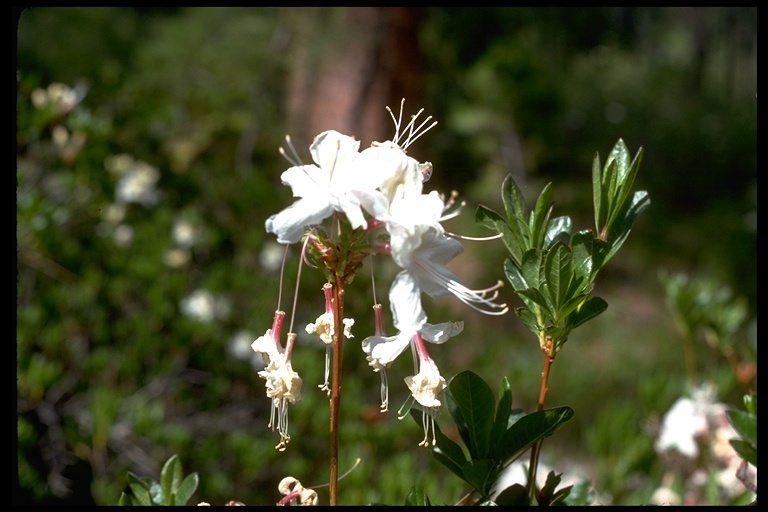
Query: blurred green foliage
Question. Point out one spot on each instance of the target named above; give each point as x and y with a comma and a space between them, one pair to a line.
117, 370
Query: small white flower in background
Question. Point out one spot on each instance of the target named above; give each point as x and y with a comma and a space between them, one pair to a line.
271, 256
137, 185
118, 164
123, 235
200, 305
184, 233
240, 348
176, 257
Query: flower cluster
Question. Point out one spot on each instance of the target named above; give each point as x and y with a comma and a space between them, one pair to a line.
376, 195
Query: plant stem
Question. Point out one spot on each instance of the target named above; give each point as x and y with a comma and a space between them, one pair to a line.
547, 349
335, 399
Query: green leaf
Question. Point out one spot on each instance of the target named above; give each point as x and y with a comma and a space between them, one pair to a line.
559, 227
745, 424
623, 225
746, 450
503, 412
626, 180
533, 267
514, 495
597, 194
187, 488
530, 428
481, 474
558, 272
582, 245
590, 309
528, 319
417, 497
514, 275
512, 197
446, 451
170, 477
513, 239
571, 305
538, 299
540, 217
140, 489
475, 402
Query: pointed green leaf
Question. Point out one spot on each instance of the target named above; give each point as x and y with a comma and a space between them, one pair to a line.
533, 267
745, 424
170, 477
187, 488
746, 450
556, 228
572, 304
623, 224
512, 197
535, 296
476, 403
503, 412
140, 489
597, 193
528, 319
530, 428
514, 275
581, 252
446, 451
590, 309
480, 474
514, 495
539, 218
625, 185
558, 272
513, 239
417, 497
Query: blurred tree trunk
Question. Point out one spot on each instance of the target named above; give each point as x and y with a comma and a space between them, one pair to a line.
345, 65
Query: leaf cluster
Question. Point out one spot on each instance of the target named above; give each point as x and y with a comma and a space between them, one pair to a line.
173, 488
493, 437
552, 269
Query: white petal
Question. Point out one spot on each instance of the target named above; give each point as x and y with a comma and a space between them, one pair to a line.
405, 303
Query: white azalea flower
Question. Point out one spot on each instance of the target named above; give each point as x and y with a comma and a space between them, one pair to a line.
428, 273
323, 188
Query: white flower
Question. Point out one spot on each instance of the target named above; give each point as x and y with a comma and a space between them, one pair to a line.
426, 385
428, 273
200, 305
138, 185
323, 188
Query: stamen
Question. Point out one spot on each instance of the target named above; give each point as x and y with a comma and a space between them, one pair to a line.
406, 407
325, 386
384, 389
473, 238
412, 133
467, 296
294, 158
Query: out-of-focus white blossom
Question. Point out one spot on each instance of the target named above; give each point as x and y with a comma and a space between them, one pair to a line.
199, 305
138, 184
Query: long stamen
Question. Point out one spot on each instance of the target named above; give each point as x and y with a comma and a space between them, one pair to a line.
473, 238
294, 158
467, 296
410, 132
